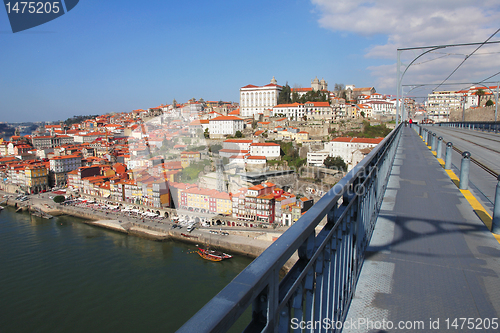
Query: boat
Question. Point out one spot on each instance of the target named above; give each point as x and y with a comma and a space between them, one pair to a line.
208, 257
215, 254
188, 236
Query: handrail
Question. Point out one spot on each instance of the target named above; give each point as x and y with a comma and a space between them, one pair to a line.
321, 284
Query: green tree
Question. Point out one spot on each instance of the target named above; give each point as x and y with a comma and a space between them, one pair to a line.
215, 148
59, 198
489, 103
480, 93
238, 134
206, 134
284, 96
335, 163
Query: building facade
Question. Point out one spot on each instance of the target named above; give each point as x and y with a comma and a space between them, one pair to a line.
256, 99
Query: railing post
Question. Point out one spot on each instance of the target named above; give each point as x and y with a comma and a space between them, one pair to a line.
439, 147
447, 158
433, 144
428, 141
495, 226
464, 171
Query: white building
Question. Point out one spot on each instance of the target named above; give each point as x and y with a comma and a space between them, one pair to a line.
318, 110
345, 147
64, 164
240, 144
316, 158
439, 104
268, 149
293, 111
222, 126
256, 99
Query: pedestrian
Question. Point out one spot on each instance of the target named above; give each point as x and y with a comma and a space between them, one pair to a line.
411, 122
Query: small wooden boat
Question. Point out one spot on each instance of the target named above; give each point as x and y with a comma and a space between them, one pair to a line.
215, 254
208, 257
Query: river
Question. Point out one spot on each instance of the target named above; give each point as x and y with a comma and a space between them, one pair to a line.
61, 275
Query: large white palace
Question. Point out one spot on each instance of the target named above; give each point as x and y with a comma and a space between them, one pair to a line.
255, 99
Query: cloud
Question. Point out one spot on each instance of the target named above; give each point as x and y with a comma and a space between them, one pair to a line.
404, 24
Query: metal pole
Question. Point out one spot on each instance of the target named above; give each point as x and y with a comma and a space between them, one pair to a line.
439, 147
496, 103
464, 171
447, 158
463, 112
433, 144
398, 88
495, 226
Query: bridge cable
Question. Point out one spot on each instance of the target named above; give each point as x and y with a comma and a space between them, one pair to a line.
467, 57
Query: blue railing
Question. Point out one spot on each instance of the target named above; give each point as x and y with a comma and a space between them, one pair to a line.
490, 126
321, 284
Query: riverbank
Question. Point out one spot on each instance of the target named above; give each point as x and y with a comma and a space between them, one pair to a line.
250, 243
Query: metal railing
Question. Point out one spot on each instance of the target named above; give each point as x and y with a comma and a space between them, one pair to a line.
490, 126
321, 284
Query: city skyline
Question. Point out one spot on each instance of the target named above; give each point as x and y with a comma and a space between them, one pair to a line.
122, 55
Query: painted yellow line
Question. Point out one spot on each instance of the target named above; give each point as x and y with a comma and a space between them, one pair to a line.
475, 204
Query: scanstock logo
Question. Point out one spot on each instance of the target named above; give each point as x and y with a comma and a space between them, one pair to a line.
28, 14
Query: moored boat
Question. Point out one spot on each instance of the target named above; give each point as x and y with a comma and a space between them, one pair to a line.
215, 254
208, 257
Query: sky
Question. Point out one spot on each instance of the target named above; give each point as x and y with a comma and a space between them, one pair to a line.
122, 55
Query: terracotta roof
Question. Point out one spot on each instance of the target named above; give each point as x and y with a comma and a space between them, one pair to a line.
222, 118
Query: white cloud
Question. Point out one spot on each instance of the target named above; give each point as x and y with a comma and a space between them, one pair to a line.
420, 23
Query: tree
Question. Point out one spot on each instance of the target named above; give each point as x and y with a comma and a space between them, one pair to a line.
480, 93
206, 134
335, 163
215, 148
284, 96
362, 113
59, 198
339, 87
254, 124
489, 103
238, 134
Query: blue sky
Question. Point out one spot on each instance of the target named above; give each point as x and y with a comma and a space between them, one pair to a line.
117, 56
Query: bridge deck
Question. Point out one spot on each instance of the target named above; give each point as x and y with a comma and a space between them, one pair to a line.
430, 257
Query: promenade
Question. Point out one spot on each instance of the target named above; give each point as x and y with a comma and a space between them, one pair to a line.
431, 260
244, 241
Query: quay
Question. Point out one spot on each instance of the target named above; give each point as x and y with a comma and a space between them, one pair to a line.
250, 242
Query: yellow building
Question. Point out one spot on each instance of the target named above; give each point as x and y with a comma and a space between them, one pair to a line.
188, 156
36, 177
224, 203
301, 136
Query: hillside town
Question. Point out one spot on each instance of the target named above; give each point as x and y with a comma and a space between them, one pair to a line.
211, 158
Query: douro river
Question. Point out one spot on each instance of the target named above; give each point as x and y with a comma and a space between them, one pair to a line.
61, 275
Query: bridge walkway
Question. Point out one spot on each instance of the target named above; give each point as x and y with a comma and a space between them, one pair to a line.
430, 258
